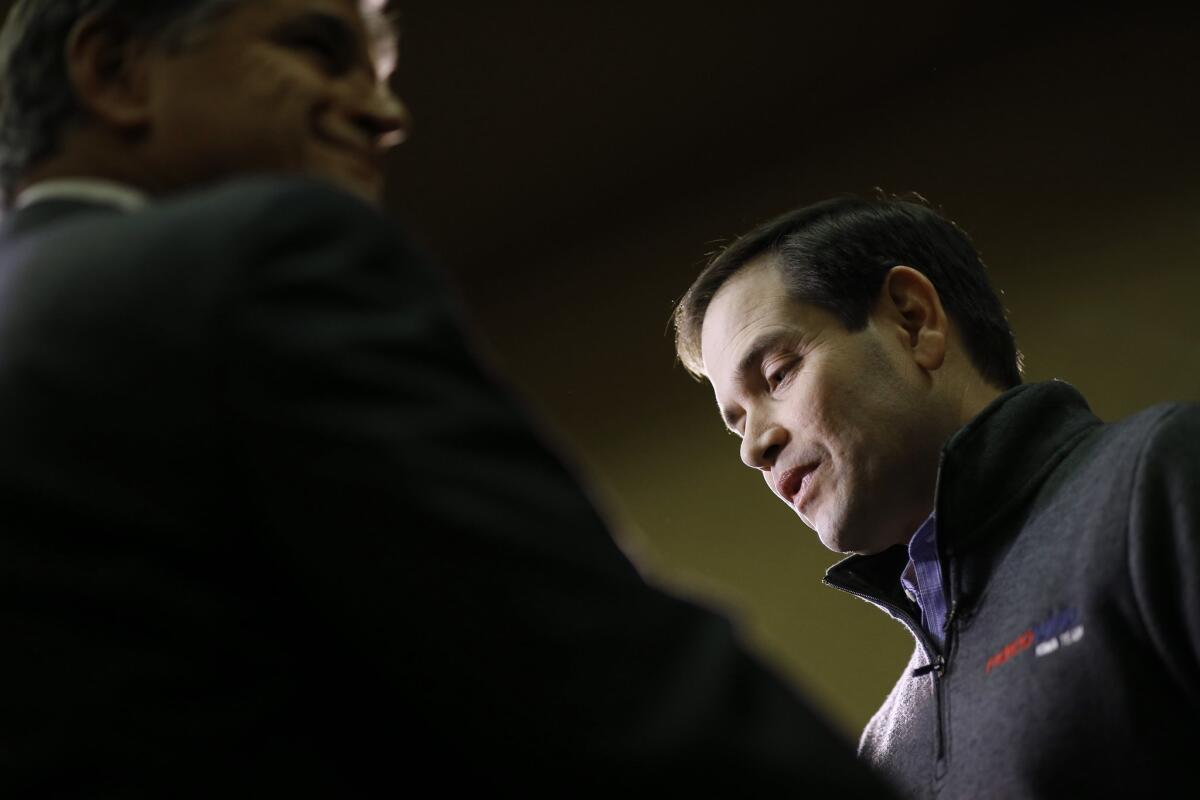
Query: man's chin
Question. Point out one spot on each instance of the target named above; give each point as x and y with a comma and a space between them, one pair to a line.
831, 540
840, 540
349, 175
832, 536
369, 190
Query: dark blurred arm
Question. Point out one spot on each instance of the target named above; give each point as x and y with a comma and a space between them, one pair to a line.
463, 568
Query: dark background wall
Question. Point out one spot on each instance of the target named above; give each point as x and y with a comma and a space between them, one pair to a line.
572, 165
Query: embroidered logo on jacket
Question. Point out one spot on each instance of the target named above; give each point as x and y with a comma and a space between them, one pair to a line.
1060, 630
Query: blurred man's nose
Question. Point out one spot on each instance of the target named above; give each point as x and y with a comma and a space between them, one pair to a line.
385, 118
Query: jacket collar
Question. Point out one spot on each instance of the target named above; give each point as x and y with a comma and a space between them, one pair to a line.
988, 470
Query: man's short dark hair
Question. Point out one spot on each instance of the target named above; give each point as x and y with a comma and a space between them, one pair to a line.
835, 255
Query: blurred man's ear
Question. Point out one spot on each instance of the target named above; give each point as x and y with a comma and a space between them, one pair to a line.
911, 303
108, 68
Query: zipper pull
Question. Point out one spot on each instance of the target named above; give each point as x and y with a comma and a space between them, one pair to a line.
938, 665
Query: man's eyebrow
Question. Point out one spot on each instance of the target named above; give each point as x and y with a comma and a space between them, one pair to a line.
375, 51
338, 30
758, 348
322, 22
381, 60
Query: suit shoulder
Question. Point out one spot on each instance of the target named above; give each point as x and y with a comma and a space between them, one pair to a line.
288, 199
209, 241
257, 224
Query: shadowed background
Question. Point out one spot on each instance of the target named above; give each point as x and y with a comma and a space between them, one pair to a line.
573, 164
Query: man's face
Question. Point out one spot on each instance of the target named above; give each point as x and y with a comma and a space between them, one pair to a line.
842, 425
278, 85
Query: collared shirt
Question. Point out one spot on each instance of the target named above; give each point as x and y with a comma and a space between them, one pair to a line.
922, 580
95, 190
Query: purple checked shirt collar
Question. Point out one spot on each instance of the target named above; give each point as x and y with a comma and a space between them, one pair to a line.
922, 580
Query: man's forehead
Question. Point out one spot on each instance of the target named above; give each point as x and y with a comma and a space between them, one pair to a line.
751, 297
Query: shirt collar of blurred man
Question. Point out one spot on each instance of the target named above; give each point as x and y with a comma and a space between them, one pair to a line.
90, 190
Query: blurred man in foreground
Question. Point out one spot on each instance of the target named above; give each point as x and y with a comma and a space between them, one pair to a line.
270, 528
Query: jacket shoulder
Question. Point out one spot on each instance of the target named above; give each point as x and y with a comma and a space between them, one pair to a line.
1151, 420
1170, 437
301, 195
1169, 430
247, 210
1128, 440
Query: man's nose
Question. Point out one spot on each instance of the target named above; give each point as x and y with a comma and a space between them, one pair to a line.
385, 118
762, 444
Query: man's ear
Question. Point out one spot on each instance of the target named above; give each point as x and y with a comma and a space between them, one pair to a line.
909, 300
109, 72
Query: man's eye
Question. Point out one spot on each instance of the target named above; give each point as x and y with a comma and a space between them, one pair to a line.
777, 374
331, 55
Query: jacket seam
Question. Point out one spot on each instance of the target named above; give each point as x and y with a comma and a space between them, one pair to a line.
1133, 507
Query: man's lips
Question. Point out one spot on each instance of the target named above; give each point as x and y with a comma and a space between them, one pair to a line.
357, 150
794, 484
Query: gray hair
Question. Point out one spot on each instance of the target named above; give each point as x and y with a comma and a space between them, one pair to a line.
37, 101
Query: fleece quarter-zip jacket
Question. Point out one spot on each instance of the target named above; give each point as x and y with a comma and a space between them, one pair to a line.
1071, 663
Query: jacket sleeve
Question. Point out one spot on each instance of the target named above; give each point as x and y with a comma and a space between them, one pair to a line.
1164, 544
451, 556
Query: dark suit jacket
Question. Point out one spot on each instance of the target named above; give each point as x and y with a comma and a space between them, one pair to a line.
266, 523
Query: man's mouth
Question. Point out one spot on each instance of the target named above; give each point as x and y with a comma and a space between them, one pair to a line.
795, 484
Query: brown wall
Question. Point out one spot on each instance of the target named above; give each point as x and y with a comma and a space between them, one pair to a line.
573, 163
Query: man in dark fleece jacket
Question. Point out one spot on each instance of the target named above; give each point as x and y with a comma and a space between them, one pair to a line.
1045, 563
